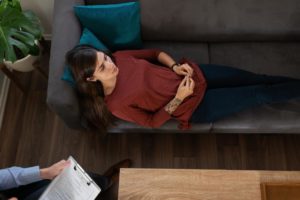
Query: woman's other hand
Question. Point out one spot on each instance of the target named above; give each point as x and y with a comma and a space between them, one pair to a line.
184, 70
186, 88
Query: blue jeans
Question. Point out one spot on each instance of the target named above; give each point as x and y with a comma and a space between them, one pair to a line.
230, 90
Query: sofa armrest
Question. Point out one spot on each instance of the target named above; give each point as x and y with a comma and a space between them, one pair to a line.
61, 97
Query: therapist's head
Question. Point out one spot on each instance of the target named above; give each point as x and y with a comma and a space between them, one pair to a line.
2, 197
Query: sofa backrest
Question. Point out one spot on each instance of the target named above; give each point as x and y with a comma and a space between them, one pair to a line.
218, 20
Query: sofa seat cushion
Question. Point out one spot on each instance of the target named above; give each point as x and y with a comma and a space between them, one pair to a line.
169, 127
280, 59
271, 118
197, 52
265, 58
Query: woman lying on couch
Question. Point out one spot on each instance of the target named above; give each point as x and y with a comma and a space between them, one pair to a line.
148, 87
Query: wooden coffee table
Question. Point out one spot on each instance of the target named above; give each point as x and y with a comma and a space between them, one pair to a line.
189, 184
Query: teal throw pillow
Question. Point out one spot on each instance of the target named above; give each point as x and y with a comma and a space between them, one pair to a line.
68, 76
88, 38
117, 25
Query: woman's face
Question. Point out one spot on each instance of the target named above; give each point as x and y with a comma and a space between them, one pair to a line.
105, 69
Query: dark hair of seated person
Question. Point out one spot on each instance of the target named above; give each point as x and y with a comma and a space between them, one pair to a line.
2, 197
82, 59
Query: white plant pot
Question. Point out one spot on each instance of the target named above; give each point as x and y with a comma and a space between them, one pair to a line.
23, 65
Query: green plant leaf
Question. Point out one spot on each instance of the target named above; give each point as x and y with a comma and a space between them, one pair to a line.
11, 3
21, 46
24, 37
6, 50
18, 31
35, 25
3, 5
34, 50
15, 4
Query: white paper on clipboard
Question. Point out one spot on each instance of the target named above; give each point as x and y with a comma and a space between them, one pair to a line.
72, 184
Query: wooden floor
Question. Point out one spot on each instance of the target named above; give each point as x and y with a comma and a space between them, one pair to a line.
32, 134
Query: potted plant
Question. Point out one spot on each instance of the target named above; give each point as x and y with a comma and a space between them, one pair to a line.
20, 32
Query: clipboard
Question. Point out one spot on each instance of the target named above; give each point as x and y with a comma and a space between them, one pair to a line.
73, 183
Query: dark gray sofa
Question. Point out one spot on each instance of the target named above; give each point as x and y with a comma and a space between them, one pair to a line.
261, 36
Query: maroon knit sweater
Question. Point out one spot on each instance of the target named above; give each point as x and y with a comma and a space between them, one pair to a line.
144, 88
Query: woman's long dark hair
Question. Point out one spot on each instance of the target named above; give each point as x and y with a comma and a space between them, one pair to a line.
82, 59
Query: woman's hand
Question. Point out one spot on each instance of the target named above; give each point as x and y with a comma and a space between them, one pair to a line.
186, 88
54, 170
184, 70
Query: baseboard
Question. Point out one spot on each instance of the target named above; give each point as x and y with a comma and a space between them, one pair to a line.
3, 98
48, 36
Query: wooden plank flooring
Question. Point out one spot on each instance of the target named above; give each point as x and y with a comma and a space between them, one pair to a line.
32, 134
